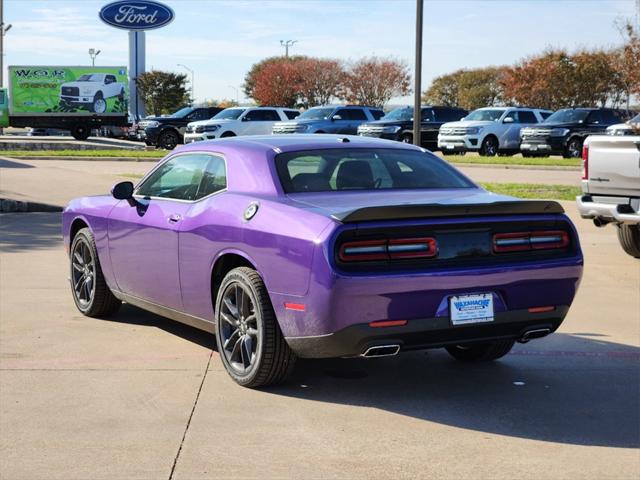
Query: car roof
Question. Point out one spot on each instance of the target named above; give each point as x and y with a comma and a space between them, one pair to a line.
289, 143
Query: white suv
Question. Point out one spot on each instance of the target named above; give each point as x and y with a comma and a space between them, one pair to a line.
237, 121
489, 130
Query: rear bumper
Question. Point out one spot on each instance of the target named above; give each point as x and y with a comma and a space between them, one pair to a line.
613, 209
425, 333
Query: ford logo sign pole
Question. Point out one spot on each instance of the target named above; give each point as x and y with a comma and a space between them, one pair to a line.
136, 16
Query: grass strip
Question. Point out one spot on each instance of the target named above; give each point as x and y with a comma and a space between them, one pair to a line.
534, 190
534, 161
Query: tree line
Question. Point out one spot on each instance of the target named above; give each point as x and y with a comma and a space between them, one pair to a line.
552, 80
301, 81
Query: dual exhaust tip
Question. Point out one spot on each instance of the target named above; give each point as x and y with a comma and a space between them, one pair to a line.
393, 349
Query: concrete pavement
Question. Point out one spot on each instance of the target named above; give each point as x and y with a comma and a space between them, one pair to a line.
141, 397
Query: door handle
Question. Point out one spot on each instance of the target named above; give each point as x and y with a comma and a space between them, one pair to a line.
175, 218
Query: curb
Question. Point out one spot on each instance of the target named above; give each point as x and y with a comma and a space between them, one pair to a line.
518, 167
16, 206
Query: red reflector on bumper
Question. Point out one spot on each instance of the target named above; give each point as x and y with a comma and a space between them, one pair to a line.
541, 309
388, 323
294, 306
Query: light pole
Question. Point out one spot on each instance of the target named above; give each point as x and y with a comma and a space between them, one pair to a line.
237, 93
3, 30
93, 53
193, 95
286, 44
417, 110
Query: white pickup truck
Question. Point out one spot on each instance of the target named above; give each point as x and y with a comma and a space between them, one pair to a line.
611, 186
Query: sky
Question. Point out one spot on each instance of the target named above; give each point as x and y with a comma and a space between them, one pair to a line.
220, 39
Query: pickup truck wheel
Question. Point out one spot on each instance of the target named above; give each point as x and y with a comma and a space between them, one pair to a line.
489, 147
80, 132
248, 337
168, 140
88, 287
481, 352
573, 148
629, 238
406, 138
99, 104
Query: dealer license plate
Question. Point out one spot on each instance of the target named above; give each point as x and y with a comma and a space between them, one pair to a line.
450, 147
466, 309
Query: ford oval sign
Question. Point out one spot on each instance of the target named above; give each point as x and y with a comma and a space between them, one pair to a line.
136, 14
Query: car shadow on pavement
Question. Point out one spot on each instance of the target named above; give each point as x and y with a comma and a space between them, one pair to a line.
4, 163
29, 231
564, 389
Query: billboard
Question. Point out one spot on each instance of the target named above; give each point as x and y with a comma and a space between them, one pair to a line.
61, 90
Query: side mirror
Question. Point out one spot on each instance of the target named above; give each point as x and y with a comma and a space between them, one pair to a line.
508, 120
122, 191
336, 117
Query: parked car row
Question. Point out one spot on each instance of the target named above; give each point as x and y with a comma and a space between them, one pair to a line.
489, 131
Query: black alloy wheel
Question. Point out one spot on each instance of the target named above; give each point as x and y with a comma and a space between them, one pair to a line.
574, 148
489, 147
168, 140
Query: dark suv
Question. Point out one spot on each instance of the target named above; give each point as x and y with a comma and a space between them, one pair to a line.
398, 124
329, 119
167, 132
564, 132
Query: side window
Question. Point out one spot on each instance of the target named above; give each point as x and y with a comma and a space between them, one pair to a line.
352, 114
214, 177
513, 114
291, 114
377, 114
201, 114
594, 117
110, 79
262, 116
609, 117
427, 115
527, 116
545, 115
178, 178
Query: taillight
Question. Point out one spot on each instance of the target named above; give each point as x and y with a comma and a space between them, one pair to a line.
585, 162
524, 241
395, 249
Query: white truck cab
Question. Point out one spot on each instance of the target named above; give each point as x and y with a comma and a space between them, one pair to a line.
489, 130
237, 121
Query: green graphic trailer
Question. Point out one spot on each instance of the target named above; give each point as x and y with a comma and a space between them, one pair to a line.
70, 98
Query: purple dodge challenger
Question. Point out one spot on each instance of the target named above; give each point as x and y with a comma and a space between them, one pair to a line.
324, 246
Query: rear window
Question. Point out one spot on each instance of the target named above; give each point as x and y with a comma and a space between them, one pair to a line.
340, 169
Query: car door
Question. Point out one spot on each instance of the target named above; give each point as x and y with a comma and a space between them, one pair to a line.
346, 122
259, 122
509, 135
143, 239
428, 129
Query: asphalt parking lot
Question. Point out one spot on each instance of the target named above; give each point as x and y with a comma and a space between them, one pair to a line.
141, 397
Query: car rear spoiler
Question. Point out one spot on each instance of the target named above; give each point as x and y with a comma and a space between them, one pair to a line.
405, 212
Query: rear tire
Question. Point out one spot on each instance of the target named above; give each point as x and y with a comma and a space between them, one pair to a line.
481, 352
629, 238
80, 132
250, 342
406, 138
90, 292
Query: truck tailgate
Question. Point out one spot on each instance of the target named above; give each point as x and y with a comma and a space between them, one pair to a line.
614, 165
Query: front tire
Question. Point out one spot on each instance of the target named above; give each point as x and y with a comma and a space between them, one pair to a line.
406, 138
573, 148
489, 147
250, 343
168, 140
90, 292
629, 238
481, 352
99, 104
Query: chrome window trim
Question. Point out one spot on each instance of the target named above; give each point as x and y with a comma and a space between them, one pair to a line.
171, 157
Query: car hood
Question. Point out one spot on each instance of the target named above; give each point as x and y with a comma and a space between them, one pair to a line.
469, 123
340, 204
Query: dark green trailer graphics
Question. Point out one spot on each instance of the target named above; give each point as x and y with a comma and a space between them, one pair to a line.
73, 98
